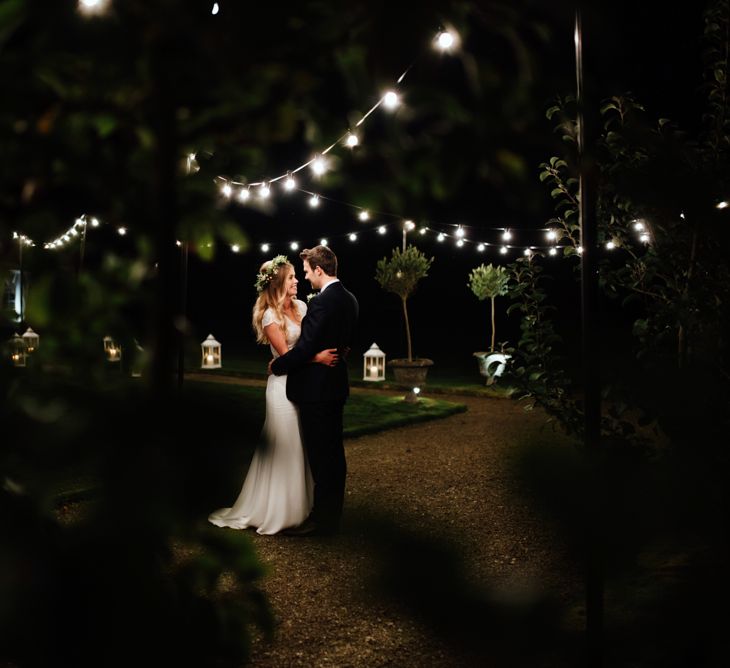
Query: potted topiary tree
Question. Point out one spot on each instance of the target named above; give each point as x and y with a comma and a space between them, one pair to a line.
400, 275
490, 282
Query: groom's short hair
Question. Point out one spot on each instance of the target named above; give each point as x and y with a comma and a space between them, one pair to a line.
322, 257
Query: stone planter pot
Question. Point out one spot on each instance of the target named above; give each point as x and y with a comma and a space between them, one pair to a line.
411, 373
492, 365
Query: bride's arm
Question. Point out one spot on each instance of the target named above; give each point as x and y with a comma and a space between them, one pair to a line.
328, 356
276, 338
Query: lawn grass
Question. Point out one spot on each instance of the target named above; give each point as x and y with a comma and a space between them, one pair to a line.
364, 413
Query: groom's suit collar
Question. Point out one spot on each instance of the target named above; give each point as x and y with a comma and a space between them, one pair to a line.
324, 287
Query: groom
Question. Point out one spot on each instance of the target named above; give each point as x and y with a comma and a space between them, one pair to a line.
320, 391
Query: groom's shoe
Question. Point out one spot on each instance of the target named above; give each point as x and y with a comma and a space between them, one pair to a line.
307, 528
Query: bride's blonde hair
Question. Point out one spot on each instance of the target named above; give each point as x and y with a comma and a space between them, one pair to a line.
271, 284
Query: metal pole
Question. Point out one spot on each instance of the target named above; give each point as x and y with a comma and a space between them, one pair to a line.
22, 285
591, 377
183, 313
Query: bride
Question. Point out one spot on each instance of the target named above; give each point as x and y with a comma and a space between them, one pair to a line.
278, 490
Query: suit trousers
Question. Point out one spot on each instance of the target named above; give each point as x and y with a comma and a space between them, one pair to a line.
321, 424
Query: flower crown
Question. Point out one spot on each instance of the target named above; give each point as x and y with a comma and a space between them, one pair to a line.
264, 278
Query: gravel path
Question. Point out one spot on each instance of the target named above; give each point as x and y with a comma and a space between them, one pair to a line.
440, 496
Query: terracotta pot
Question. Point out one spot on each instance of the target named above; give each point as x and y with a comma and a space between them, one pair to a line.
410, 373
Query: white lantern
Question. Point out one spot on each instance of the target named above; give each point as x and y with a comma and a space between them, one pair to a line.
31, 340
374, 364
112, 350
18, 352
211, 353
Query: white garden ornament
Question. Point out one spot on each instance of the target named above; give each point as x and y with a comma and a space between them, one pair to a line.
374, 364
211, 350
31, 340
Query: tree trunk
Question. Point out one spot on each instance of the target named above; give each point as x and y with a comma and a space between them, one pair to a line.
494, 332
682, 342
408, 330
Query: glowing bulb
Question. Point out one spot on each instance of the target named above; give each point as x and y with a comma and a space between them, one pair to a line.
440, 237
553, 251
506, 235
323, 242
639, 226
381, 229
122, 231
503, 250
264, 190
353, 237
552, 235
215, 9
579, 250
264, 248
480, 248
294, 245
244, 194
721, 205
416, 390
319, 165
459, 232
226, 190
527, 252
610, 245
92, 7
94, 222
460, 243
290, 183
363, 215
409, 225
681, 215
314, 201
351, 140
178, 243
235, 248
445, 40
644, 238
74, 231
79, 221
423, 230
15, 235
68, 238
390, 100
209, 358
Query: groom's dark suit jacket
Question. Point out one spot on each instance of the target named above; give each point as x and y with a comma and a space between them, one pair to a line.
329, 323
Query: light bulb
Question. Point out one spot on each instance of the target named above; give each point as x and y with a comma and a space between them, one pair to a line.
721, 205
440, 237
639, 226
215, 9
416, 390
294, 245
314, 201
579, 250
445, 40
423, 230
122, 231
79, 221
244, 194
178, 243
390, 100
527, 252
264, 190
363, 215
226, 190
460, 243
644, 238
351, 140
503, 250
480, 248
264, 248
92, 7
94, 222
323, 242
460, 231
409, 225
553, 251
353, 237
319, 165
290, 183
506, 235
235, 248
381, 229
552, 235
610, 245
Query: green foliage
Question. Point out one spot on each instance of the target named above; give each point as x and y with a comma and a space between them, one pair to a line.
489, 281
400, 275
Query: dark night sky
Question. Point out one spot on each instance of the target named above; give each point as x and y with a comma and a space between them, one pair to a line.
650, 49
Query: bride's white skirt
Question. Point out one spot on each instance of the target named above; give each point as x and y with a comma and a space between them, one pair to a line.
278, 490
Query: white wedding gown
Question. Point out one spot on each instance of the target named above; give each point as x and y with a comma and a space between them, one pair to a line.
278, 490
